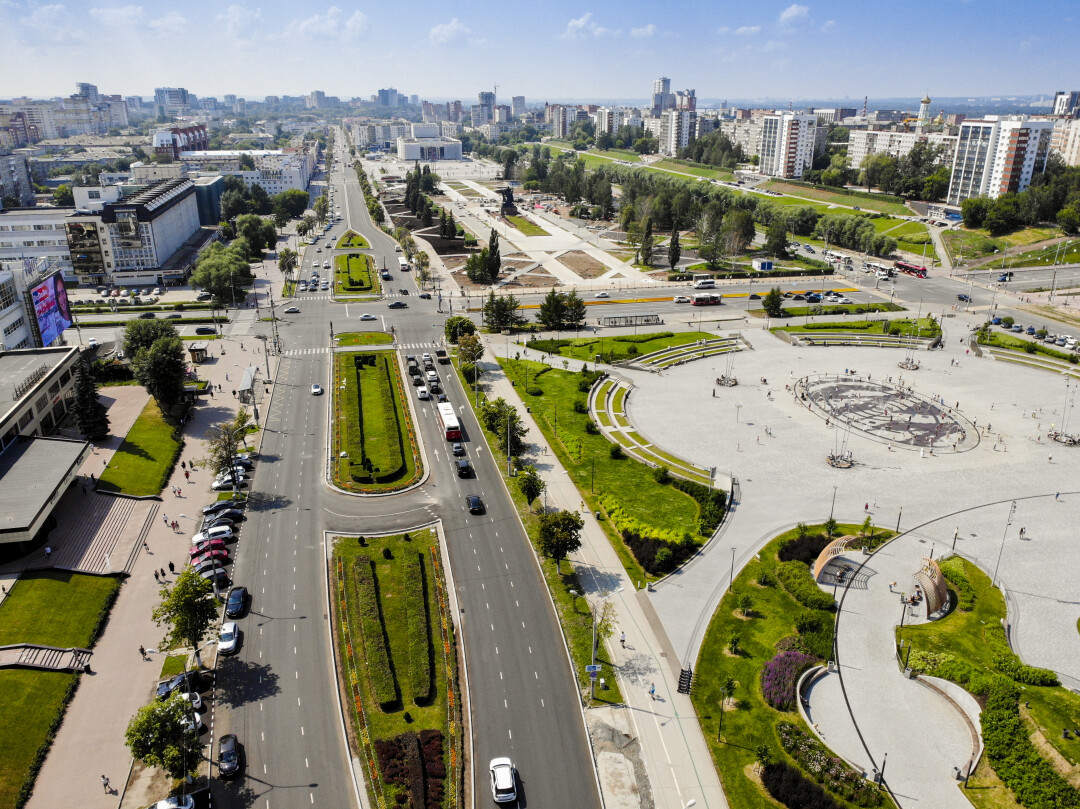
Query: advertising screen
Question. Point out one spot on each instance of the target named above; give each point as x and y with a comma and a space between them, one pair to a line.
51, 308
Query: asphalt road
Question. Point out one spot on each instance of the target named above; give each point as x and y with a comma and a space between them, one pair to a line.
278, 691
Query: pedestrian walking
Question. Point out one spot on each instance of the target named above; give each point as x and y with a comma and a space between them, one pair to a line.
105, 782
866, 507
172, 567
1050, 459
156, 577
48, 551
183, 465
1022, 530
163, 573
652, 691
187, 475
622, 640
178, 492
165, 518
1057, 495
142, 653
146, 546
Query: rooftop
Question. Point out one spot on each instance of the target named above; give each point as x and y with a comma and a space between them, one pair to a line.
30, 471
17, 366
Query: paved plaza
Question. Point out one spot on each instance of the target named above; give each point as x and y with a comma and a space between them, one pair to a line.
774, 444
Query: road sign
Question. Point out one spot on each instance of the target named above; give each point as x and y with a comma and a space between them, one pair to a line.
593, 675
593, 669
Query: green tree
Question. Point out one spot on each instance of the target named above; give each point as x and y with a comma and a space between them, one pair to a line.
160, 369
830, 527
305, 225
1068, 218
773, 303
161, 735
552, 313
531, 484
220, 270
294, 202
188, 611
470, 349
501, 418
746, 604
260, 200
321, 208
737, 231
141, 334
573, 310
560, 535
233, 204
63, 196
494, 260
458, 326
91, 416
477, 267
223, 440
674, 250
776, 239
253, 228
973, 210
645, 251
287, 260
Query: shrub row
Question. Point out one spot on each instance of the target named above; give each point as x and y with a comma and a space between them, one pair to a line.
815, 629
418, 630
849, 192
413, 762
827, 769
950, 668
789, 786
804, 549
643, 338
779, 676
953, 569
625, 524
711, 502
431, 748
1033, 780
869, 324
414, 769
1006, 661
381, 460
656, 555
796, 578
376, 654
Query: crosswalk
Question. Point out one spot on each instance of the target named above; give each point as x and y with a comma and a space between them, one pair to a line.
303, 352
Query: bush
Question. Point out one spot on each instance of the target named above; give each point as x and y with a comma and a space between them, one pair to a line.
779, 677
788, 786
656, 555
953, 570
809, 621
712, 502
1030, 348
804, 549
419, 630
616, 452
380, 673
661, 475
580, 406
591, 428
796, 578
826, 768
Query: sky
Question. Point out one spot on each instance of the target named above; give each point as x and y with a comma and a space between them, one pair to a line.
548, 50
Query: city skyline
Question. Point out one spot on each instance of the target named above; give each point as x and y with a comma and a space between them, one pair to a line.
775, 50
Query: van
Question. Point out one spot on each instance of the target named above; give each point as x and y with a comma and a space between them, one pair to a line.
705, 283
882, 274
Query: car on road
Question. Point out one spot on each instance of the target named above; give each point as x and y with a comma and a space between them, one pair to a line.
236, 602
229, 517
176, 802
602, 295
316, 389
681, 299
229, 638
1030, 330
1017, 328
503, 788
403, 291
226, 485
458, 449
318, 249
845, 301
205, 330
809, 249
221, 505
464, 468
798, 297
173, 316
293, 310
220, 532
422, 394
147, 316
219, 554
754, 296
92, 343
199, 548
397, 305
367, 316
228, 755
441, 398
194, 698
964, 297
426, 296
474, 504
1005, 276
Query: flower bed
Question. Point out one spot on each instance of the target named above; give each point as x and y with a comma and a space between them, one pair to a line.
827, 769
780, 675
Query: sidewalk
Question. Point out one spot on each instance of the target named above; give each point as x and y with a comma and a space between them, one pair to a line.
90, 742
673, 748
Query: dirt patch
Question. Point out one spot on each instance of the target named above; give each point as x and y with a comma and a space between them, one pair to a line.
538, 278
583, 264
454, 262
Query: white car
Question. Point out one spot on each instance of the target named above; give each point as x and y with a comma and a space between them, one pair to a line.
176, 802
316, 389
367, 316
602, 295
422, 393
194, 699
503, 788
217, 532
229, 637
845, 300
226, 485
681, 299
326, 265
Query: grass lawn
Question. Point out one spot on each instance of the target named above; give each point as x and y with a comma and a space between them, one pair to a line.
969, 244
1004, 339
173, 665
442, 710
351, 239
372, 424
526, 227
618, 154
625, 483
712, 174
839, 198
354, 273
834, 309
574, 613
54, 608
908, 328
364, 338
967, 636
751, 721
1047, 256
34, 697
145, 458
616, 349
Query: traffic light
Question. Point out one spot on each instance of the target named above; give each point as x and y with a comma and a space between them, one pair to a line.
686, 680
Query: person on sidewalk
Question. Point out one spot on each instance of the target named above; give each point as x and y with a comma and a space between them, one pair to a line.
622, 640
105, 783
652, 691
142, 652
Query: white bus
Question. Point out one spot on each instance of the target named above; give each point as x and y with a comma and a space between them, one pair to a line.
403, 265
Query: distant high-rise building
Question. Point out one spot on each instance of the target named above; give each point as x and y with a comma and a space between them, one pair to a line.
662, 99
608, 121
414, 100
1066, 141
501, 114
271, 101
1067, 103
998, 155
87, 91
517, 106
487, 102
677, 129
316, 99
172, 101
685, 100
239, 107
388, 97
560, 120
787, 144
230, 99
834, 115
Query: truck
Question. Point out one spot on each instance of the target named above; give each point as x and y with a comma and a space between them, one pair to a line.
442, 356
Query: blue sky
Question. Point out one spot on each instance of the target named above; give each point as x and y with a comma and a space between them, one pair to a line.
552, 49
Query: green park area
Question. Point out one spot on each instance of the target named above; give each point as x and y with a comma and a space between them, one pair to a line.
613, 349
351, 239
694, 171
354, 274
146, 456
526, 227
1057, 253
967, 244
773, 624
372, 425
398, 664
991, 336
51, 608
464, 190
618, 154
907, 327
884, 205
364, 338
831, 309
1027, 762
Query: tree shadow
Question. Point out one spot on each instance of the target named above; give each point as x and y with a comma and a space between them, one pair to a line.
267, 501
243, 682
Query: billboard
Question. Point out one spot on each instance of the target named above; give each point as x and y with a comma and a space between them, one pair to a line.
51, 308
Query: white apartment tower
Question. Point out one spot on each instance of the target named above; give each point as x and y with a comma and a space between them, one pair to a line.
998, 155
517, 106
677, 128
1067, 103
787, 144
608, 121
560, 120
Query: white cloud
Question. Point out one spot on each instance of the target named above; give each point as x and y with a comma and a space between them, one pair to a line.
239, 21
643, 32
331, 24
828, 25
50, 23
774, 45
585, 26
117, 15
448, 32
723, 29
172, 23
793, 14
747, 30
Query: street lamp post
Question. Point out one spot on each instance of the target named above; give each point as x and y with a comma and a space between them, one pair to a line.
1005, 533
731, 574
832, 508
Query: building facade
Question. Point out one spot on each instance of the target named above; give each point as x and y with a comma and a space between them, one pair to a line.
1067, 103
15, 180
998, 155
787, 144
1065, 141
864, 142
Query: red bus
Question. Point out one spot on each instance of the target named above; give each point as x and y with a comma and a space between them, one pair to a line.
706, 299
910, 269
448, 419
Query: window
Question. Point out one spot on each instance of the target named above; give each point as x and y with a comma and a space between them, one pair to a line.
54, 389
41, 404
64, 377
26, 418
94, 195
14, 326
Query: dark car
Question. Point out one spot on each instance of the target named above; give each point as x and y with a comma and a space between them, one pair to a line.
754, 296
222, 505
236, 602
397, 305
475, 504
209, 561
205, 330
228, 756
233, 515
963, 297
425, 296
403, 291
464, 469
417, 381
173, 316
219, 573
215, 521
441, 398
798, 297
434, 388
187, 681
147, 316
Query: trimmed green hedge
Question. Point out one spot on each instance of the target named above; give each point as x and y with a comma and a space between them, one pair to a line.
419, 629
953, 569
797, 580
380, 673
1033, 780
376, 451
